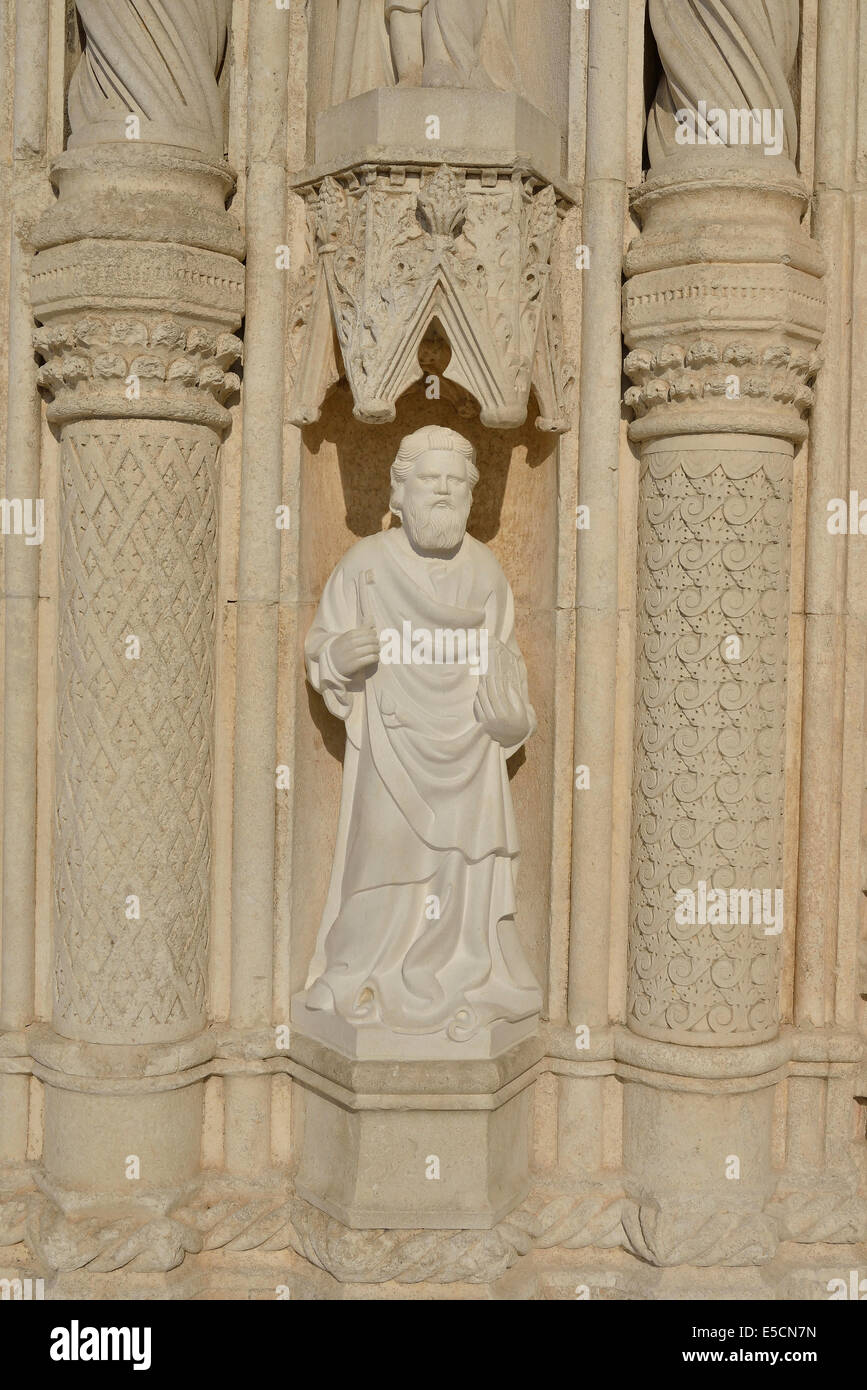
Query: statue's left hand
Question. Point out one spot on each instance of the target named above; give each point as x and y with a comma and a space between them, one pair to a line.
501, 711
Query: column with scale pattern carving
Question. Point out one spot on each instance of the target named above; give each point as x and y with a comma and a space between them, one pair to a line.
723, 312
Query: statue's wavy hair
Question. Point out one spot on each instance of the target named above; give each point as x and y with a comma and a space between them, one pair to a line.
422, 442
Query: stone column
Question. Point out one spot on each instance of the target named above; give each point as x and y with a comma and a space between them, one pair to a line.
138, 287
723, 311
254, 843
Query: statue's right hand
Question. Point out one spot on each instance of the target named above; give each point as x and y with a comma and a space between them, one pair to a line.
355, 651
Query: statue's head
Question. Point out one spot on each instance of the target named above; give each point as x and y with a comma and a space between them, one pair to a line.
432, 481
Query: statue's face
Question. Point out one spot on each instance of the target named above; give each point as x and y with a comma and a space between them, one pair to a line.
435, 500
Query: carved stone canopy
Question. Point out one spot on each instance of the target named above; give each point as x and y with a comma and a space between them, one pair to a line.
398, 253
432, 213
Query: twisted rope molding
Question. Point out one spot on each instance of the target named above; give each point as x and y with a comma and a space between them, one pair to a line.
602, 1218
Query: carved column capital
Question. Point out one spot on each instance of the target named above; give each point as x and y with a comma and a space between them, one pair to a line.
723, 308
138, 285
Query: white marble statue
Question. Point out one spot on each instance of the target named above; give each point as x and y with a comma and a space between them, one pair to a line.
431, 43
413, 646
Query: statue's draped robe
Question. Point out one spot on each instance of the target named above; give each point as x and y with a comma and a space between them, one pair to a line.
162, 60
362, 53
728, 53
426, 809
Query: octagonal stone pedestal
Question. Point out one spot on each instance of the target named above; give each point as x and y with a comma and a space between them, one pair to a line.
483, 127
415, 1145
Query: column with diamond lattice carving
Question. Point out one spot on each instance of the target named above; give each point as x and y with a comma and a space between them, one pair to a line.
138, 288
135, 693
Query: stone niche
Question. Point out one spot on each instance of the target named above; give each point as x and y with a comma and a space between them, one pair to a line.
428, 295
417, 236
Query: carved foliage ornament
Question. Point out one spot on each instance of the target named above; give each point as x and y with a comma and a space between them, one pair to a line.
683, 388
394, 255
216, 1218
98, 364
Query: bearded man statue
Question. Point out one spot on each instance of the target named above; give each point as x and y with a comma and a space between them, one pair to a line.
413, 647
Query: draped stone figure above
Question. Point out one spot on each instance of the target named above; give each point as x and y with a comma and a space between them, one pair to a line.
430, 43
161, 61
723, 55
413, 647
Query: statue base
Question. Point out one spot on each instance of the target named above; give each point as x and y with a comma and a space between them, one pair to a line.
374, 1042
440, 1145
441, 125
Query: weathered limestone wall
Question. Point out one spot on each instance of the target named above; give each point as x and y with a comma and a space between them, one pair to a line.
687, 1117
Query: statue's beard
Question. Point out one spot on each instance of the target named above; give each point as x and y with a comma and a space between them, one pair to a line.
437, 525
